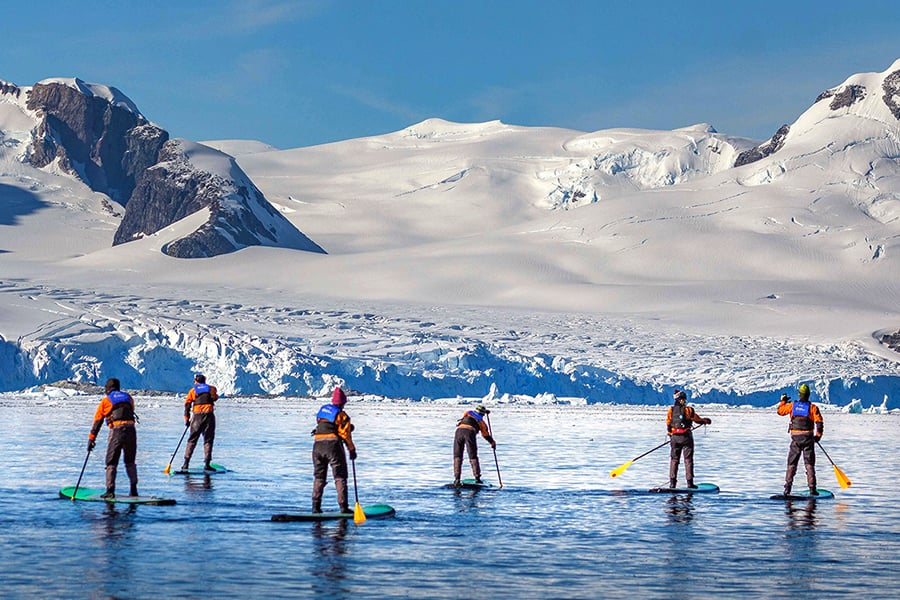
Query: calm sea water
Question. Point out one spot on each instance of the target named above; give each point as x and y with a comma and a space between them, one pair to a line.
557, 529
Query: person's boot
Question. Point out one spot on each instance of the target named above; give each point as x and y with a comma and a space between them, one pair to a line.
110, 482
457, 471
691, 485
811, 480
673, 483
185, 465
340, 486
476, 469
207, 467
789, 479
318, 490
132, 478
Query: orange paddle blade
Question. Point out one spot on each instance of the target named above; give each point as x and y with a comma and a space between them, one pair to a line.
358, 515
842, 478
618, 471
168, 469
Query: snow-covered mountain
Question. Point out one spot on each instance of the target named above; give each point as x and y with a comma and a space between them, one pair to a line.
97, 134
610, 266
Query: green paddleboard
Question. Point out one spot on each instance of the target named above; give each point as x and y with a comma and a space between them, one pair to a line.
200, 470
373, 511
702, 488
469, 484
93, 495
823, 495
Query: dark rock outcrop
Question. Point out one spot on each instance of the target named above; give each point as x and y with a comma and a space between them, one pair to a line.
10, 89
891, 87
175, 188
844, 98
763, 150
107, 146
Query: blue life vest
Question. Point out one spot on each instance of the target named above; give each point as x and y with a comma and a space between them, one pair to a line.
325, 419
202, 394
121, 407
801, 416
471, 418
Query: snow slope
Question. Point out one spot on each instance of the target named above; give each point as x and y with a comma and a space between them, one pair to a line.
610, 266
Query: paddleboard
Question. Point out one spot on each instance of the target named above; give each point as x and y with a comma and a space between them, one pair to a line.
469, 484
201, 471
373, 511
93, 495
702, 488
823, 495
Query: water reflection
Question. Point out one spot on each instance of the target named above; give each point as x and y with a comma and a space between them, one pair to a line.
194, 484
679, 509
801, 515
330, 556
114, 531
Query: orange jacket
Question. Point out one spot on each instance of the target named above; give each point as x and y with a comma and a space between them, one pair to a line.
344, 429
689, 413
199, 408
785, 408
103, 409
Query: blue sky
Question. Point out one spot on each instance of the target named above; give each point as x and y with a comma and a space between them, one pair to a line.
302, 73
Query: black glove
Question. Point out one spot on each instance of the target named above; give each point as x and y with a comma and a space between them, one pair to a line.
707, 421
493, 444
817, 437
785, 397
91, 444
353, 455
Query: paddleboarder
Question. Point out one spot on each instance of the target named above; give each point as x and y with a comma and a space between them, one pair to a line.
333, 430
117, 409
200, 415
806, 429
467, 428
678, 424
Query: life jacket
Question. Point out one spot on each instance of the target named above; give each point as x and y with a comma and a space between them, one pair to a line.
122, 410
679, 423
202, 394
472, 419
801, 416
325, 419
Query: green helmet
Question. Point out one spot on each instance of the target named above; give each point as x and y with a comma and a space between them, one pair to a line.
804, 390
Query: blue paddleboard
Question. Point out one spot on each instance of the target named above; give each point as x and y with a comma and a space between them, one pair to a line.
94, 495
373, 511
823, 495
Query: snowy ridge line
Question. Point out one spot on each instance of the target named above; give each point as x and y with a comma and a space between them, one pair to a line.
155, 343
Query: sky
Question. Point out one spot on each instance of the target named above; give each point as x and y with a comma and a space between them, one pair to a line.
308, 72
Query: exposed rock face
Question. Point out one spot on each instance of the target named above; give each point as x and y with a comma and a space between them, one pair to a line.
763, 150
891, 87
845, 98
9, 88
176, 187
107, 146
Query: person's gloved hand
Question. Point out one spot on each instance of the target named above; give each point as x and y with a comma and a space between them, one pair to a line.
785, 397
707, 421
187, 422
353, 455
91, 443
817, 437
493, 444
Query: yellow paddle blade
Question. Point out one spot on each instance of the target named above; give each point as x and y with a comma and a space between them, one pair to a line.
168, 469
620, 470
842, 478
358, 515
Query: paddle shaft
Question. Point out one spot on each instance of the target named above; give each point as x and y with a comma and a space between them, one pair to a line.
186, 427
80, 475
819, 444
496, 462
665, 443
355, 490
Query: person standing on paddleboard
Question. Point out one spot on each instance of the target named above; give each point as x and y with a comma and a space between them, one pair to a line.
466, 436
333, 430
200, 403
117, 409
806, 429
678, 424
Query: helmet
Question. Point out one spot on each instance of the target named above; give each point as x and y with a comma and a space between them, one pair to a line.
804, 390
481, 410
679, 396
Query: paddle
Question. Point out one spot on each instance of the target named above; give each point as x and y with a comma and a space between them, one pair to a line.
78, 483
619, 470
168, 469
359, 516
496, 463
842, 479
